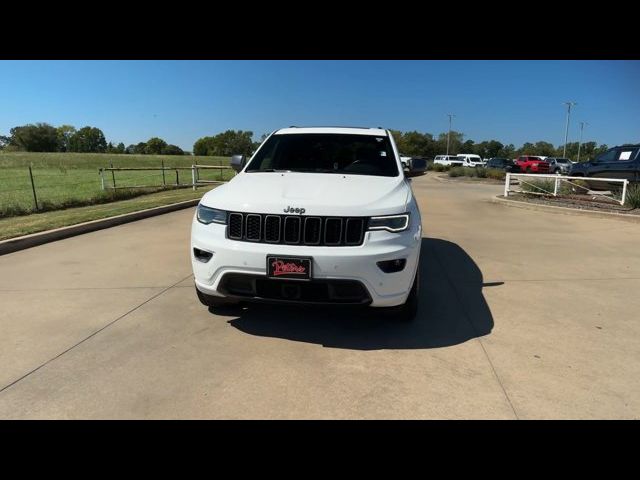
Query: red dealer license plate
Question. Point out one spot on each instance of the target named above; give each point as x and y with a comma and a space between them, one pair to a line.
298, 268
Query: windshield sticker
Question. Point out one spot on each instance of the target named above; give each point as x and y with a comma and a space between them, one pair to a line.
625, 155
383, 153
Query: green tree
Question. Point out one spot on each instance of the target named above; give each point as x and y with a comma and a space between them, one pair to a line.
4, 141
65, 132
40, 137
468, 147
140, 148
416, 144
225, 144
488, 149
455, 145
172, 150
155, 146
120, 148
507, 151
88, 140
544, 148
203, 146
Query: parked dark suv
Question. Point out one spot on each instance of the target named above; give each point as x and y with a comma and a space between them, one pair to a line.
617, 162
503, 164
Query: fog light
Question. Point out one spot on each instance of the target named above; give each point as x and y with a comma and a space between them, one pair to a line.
202, 255
391, 266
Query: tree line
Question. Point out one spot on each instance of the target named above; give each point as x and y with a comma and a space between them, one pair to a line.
427, 146
42, 137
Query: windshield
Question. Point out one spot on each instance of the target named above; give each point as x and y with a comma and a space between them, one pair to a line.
326, 153
562, 160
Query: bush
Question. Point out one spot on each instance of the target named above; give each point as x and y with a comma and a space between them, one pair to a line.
437, 167
573, 188
457, 172
537, 186
474, 172
633, 196
496, 174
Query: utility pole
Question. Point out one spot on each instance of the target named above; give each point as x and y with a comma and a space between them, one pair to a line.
582, 124
450, 115
566, 131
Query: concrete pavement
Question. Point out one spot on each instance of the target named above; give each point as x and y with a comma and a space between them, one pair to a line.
523, 314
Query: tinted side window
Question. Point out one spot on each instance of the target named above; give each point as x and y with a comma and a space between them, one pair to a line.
627, 154
608, 156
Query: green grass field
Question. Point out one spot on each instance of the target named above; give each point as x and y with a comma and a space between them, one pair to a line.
65, 180
38, 222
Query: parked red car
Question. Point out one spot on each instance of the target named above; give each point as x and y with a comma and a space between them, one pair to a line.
531, 164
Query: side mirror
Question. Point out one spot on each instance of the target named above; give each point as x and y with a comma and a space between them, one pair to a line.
238, 162
417, 166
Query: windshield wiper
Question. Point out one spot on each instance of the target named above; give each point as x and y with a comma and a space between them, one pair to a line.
267, 170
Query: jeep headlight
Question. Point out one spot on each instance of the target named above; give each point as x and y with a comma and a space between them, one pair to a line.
208, 215
390, 223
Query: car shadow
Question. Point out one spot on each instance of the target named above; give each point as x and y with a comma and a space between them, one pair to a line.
452, 310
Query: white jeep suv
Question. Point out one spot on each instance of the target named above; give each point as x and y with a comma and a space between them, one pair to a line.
317, 215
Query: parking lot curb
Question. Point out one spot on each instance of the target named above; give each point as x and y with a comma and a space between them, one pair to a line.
566, 210
27, 241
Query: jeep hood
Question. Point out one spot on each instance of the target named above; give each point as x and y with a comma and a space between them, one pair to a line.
320, 194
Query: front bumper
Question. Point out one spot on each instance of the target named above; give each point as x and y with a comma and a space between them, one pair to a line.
356, 263
539, 169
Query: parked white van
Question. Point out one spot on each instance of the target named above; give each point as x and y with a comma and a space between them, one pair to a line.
447, 160
470, 160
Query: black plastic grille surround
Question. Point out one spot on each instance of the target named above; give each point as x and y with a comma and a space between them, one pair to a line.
318, 291
296, 229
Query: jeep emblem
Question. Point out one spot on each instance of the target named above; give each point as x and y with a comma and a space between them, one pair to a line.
290, 209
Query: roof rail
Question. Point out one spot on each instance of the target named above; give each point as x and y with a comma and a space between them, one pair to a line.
335, 126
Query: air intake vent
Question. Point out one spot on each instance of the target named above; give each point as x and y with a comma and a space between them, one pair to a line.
272, 229
312, 226
235, 226
292, 230
333, 231
354, 231
254, 222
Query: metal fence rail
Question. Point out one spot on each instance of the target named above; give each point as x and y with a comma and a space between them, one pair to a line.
28, 188
195, 176
558, 183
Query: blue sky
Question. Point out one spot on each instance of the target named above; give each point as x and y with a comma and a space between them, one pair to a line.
181, 101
